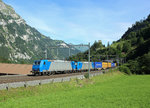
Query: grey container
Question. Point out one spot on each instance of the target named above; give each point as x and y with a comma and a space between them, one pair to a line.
85, 65
60, 66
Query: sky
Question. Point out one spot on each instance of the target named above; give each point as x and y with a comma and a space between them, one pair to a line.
81, 21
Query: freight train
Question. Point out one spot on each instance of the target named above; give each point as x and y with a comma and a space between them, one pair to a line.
49, 67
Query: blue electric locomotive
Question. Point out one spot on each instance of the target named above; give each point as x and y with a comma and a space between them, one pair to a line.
58, 66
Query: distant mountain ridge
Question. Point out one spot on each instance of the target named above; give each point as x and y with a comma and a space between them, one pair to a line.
20, 42
80, 48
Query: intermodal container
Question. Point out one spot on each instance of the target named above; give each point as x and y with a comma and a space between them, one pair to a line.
104, 65
98, 65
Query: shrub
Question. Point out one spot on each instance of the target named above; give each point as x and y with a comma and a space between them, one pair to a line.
144, 63
86, 75
125, 69
134, 66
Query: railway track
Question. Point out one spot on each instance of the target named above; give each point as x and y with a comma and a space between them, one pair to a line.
22, 78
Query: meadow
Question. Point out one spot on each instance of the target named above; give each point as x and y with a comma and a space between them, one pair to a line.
111, 90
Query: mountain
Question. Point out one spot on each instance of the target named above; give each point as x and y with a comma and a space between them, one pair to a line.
80, 48
21, 43
138, 38
134, 45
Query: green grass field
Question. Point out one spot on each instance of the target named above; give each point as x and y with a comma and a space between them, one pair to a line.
112, 90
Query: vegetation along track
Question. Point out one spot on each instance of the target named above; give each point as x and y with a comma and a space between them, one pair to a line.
10, 79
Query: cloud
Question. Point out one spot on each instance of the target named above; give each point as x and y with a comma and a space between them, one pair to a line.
80, 21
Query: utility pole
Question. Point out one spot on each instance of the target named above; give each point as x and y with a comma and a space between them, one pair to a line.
99, 58
45, 52
107, 57
87, 45
57, 53
118, 61
69, 51
89, 60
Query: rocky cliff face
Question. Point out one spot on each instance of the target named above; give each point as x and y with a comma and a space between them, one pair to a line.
21, 42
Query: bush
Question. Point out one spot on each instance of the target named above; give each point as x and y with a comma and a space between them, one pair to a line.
134, 66
144, 63
86, 75
125, 69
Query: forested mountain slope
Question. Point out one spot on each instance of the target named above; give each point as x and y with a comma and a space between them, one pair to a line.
134, 45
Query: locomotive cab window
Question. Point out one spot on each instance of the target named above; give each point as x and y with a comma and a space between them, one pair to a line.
35, 63
38, 63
